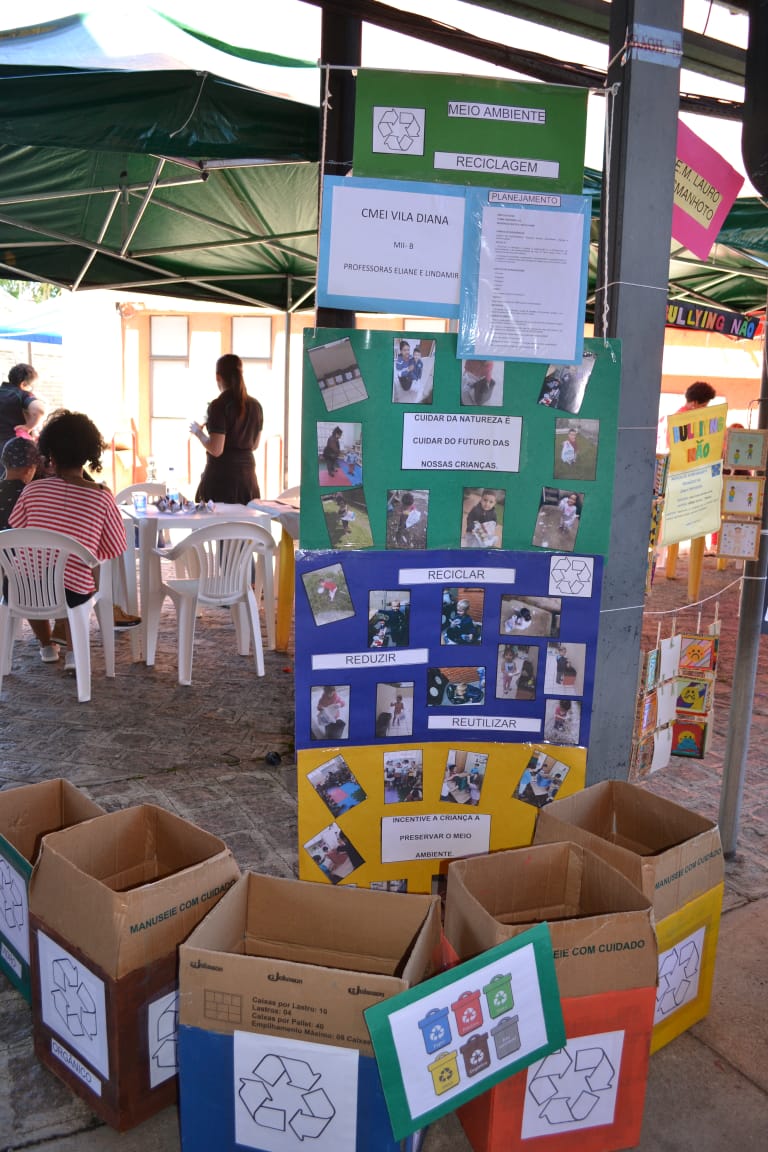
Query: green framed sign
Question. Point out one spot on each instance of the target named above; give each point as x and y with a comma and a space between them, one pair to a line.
470, 130
453, 1037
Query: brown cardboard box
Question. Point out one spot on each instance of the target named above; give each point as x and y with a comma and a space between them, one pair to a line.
26, 815
673, 854
675, 857
293, 964
589, 1095
110, 901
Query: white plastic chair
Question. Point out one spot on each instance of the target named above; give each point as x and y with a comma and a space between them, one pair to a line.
33, 561
220, 556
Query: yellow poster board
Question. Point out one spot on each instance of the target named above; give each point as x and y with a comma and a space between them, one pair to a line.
696, 437
392, 816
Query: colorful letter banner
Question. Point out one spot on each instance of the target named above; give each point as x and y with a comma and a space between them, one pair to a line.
705, 188
413, 647
470, 130
390, 246
698, 319
524, 276
696, 437
450, 1038
404, 446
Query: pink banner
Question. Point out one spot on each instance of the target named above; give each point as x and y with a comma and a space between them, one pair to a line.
705, 188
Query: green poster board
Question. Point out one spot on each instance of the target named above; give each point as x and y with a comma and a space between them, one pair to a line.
470, 130
404, 446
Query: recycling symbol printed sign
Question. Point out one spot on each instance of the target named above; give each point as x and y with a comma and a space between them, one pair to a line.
571, 576
11, 902
399, 130
293, 1095
679, 971
162, 1036
72, 1001
575, 1087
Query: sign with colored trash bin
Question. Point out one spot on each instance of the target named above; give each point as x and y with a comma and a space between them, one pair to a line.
453, 1037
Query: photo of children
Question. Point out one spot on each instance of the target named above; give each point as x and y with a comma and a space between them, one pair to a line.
347, 520
388, 619
450, 687
536, 615
564, 669
338, 374
336, 786
394, 710
414, 370
542, 779
482, 517
328, 594
403, 777
462, 616
340, 454
330, 712
557, 523
464, 776
562, 720
516, 671
482, 383
334, 854
565, 384
389, 885
407, 516
576, 449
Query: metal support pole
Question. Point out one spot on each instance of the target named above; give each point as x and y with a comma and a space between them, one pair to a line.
633, 275
745, 667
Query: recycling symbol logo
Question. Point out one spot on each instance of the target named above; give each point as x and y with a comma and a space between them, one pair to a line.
468, 1016
499, 999
437, 1033
444, 1075
678, 977
284, 1095
399, 130
569, 1084
72, 1000
477, 1057
164, 1042
11, 904
571, 576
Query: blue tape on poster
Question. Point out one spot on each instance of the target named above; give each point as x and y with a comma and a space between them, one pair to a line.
499, 646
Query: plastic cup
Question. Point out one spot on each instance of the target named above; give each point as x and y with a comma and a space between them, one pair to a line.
139, 502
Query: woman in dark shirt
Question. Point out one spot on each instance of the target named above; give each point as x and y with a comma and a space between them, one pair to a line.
234, 422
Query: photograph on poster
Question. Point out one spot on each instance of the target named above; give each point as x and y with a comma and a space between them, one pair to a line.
389, 885
334, 854
336, 786
541, 780
338, 374
414, 371
482, 383
339, 454
450, 687
565, 384
743, 496
746, 448
516, 671
562, 720
403, 776
388, 619
536, 615
689, 738
557, 523
347, 520
328, 594
576, 449
482, 517
693, 695
464, 776
739, 539
394, 710
407, 518
462, 616
330, 712
697, 653
564, 669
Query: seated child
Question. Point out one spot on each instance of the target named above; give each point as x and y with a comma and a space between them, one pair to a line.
482, 522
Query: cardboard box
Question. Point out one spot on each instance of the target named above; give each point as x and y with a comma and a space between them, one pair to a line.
26, 815
110, 901
676, 858
273, 985
590, 1094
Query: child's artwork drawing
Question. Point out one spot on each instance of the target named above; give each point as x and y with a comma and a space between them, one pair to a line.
698, 653
689, 738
